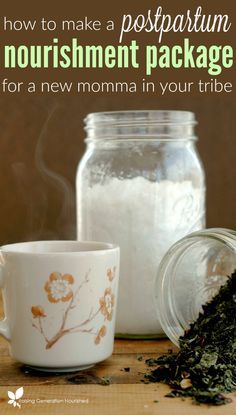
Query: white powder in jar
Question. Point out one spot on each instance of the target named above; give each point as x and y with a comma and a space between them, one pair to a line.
144, 218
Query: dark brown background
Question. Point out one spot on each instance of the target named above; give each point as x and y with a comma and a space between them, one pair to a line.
41, 137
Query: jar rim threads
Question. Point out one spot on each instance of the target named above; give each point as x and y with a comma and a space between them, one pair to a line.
133, 125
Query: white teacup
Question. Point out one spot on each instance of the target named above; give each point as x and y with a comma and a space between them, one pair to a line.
60, 302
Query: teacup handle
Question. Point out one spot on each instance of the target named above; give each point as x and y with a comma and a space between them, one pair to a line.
4, 327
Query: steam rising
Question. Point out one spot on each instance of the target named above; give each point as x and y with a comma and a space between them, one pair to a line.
36, 197
35, 200
65, 222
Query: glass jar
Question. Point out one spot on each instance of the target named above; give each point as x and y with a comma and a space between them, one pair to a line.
141, 185
190, 274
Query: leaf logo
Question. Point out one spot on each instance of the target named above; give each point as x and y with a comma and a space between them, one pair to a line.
15, 396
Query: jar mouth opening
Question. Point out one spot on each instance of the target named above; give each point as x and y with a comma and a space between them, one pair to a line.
190, 274
141, 117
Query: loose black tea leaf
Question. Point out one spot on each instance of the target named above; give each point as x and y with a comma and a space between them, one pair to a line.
105, 381
205, 366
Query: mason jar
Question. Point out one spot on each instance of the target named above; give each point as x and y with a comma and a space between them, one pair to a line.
190, 274
140, 184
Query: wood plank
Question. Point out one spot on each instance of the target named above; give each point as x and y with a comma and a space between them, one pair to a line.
13, 373
126, 394
155, 347
107, 400
16, 374
137, 347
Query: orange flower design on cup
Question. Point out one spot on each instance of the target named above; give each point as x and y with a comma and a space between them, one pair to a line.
38, 311
102, 332
107, 303
111, 273
58, 287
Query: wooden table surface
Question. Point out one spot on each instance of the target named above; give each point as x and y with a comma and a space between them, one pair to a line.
125, 395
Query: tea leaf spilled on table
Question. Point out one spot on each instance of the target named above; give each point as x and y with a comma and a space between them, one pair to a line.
205, 366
